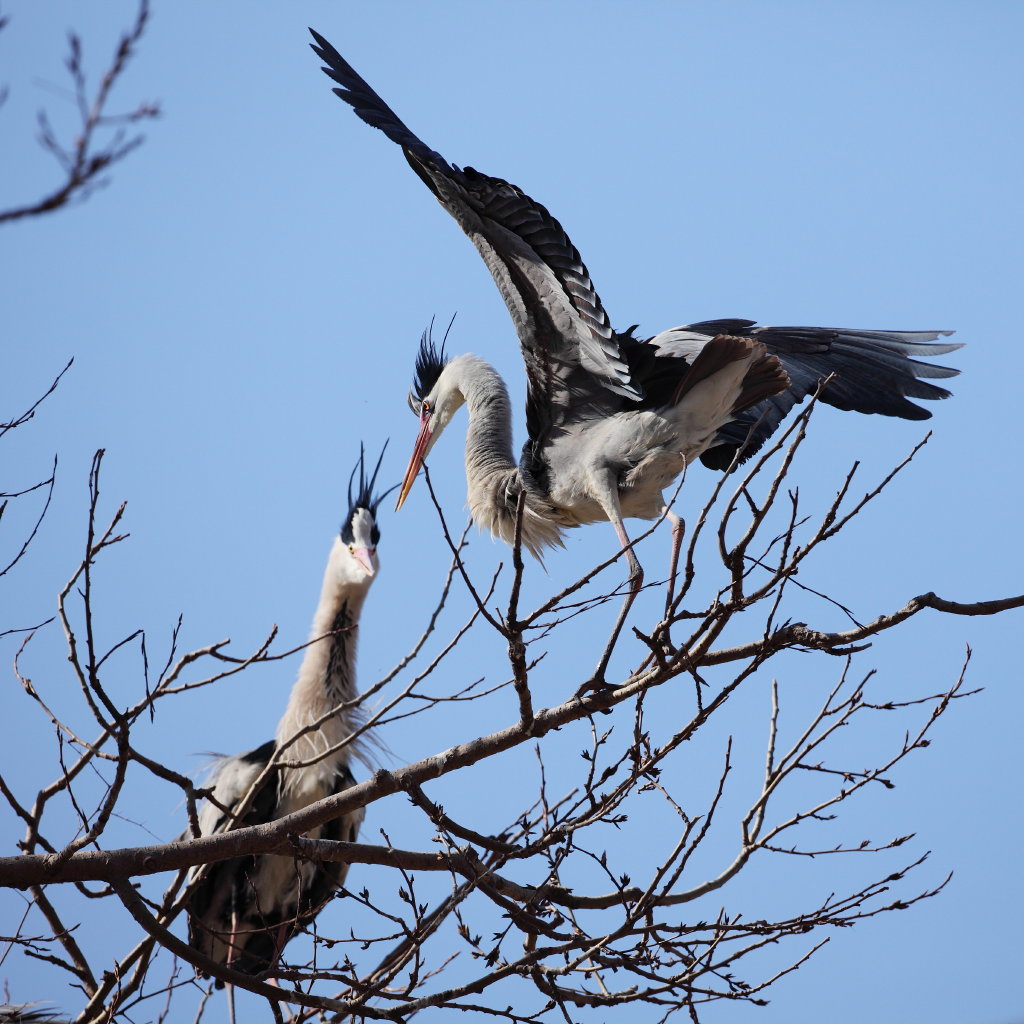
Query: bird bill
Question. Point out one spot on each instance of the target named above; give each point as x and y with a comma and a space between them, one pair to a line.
419, 452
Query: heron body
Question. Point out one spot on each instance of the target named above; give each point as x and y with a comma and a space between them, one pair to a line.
592, 464
612, 419
245, 909
608, 412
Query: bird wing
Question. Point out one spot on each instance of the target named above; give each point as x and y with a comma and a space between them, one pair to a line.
230, 780
871, 371
212, 902
563, 328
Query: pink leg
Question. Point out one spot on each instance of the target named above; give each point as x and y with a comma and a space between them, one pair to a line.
232, 946
636, 580
229, 990
678, 532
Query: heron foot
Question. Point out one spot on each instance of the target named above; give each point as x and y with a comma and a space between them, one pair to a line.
596, 685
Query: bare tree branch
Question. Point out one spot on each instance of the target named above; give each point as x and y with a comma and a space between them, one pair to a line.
530, 910
86, 159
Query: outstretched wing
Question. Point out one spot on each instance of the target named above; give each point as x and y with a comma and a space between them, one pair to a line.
562, 326
872, 372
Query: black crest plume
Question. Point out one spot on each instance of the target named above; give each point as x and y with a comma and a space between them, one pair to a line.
430, 361
362, 496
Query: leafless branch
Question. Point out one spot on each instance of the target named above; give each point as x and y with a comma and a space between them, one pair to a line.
531, 907
85, 160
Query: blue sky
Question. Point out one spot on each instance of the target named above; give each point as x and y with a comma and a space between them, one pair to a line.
244, 300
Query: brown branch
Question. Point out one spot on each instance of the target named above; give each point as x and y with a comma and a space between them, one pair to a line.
86, 865
137, 908
85, 161
798, 634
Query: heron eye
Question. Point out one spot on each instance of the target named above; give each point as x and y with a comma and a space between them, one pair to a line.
425, 408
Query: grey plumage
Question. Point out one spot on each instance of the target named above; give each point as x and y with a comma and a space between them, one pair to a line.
245, 909
592, 467
581, 372
613, 419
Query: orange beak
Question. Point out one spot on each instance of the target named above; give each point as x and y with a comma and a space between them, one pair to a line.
418, 453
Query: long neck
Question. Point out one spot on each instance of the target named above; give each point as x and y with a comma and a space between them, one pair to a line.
327, 676
489, 438
493, 480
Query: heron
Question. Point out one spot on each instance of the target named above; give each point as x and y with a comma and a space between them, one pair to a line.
613, 419
244, 910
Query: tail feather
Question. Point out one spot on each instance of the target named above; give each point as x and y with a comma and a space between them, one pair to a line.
765, 375
766, 378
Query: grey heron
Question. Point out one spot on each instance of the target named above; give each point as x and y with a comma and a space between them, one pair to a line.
245, 909
613, 419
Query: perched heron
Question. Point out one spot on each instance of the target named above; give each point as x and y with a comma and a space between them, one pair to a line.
245, 909
613, 419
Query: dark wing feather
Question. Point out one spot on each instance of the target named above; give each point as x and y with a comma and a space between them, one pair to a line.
872, 371
226, 897
222, 892
568, 344
268, 929
329, 876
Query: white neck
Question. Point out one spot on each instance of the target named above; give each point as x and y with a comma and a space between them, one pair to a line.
493, 480
327, 675
489, 437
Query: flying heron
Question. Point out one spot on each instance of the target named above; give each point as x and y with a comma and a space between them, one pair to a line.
612, 419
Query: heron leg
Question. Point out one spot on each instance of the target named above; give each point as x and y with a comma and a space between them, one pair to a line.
232, 950
229, 959
636, 580
678, 532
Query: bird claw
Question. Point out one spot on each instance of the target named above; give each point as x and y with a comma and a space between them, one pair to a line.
597, 684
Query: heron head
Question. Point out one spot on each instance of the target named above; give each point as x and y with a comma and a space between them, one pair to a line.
434, 397
359, 532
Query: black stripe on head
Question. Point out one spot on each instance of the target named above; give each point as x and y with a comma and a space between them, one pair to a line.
430, 361
363, 496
